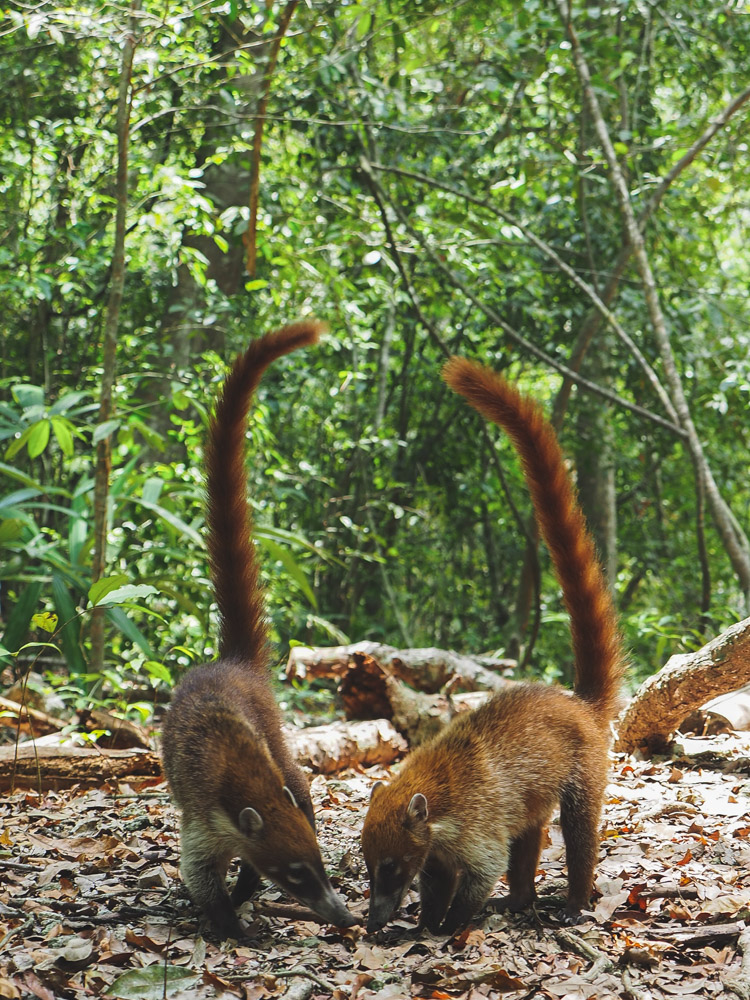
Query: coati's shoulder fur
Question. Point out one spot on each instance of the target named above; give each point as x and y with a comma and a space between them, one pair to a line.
240, 792
473, 803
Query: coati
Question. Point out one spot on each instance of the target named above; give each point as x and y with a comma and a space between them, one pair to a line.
473, 803
229, 769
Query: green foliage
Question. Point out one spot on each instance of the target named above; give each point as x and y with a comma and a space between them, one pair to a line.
378, 502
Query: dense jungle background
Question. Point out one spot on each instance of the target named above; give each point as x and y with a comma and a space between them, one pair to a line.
566, 201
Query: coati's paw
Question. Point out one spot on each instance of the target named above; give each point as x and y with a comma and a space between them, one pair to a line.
571, 916
455, 922
226, 925
247, 884
511, 904
433, 926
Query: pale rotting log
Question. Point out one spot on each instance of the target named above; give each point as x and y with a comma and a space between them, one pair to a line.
686, 682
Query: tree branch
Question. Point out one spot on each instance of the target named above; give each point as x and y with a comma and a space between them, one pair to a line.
518, 338
552, 255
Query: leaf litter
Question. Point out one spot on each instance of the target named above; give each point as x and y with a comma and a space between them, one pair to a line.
92, 903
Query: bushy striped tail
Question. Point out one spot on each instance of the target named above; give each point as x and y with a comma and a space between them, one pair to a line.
596, 640
234, 564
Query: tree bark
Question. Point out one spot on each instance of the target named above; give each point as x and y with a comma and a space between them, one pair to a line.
684, 683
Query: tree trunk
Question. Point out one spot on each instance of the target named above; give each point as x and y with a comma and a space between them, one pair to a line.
111, 324
595, 467
732, 535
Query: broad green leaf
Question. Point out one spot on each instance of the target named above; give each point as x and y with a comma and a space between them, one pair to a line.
64, 435
104, 430
123, 595
70, 630
152, 983
66, 402
45, 621
10, 499
155, 669
152, 489
28, 395
18, 444
38, 438
11, 528
105, 586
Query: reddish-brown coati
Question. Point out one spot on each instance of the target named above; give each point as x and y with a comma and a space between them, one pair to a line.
240, 793
473, 803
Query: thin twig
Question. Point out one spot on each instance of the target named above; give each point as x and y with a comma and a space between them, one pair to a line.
601, 961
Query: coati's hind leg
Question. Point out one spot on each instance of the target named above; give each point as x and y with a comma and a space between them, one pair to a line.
522, 866
246, 885
437, 886
579, 818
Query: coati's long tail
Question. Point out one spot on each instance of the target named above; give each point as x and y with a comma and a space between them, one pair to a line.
596, 640
234, 565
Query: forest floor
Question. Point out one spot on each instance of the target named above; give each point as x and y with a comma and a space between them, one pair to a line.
91, 903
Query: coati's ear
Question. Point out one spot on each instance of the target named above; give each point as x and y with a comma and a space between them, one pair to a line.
377, 787
416, 811
251, 821
290, 796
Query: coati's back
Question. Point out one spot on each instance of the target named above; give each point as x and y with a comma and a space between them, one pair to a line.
227, 763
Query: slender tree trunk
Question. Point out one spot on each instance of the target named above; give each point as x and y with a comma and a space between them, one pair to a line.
111, 324
733, 537
252, 227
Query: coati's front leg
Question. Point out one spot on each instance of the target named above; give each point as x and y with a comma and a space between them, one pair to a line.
437, 886
204, 877
522, 866
248, 881
473, 889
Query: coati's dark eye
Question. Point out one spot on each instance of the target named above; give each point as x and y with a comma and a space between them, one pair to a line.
390, 875
300, 877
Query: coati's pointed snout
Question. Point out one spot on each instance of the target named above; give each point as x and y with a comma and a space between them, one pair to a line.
379, 915
332, 908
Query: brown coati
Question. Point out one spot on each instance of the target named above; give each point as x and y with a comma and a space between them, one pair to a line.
473, 803
226, 760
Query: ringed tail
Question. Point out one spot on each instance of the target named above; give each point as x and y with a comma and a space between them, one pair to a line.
599, 662
234, 565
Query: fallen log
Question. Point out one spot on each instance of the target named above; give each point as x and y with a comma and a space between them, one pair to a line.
28, 719
684, 683
369, 690
120, 734
324, 749
426, 669
30, 765
338, 745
